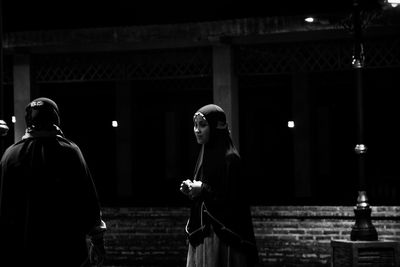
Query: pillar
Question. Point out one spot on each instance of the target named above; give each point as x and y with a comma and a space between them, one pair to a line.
172, 145
302, 133
22, 92
225, 87
124, 138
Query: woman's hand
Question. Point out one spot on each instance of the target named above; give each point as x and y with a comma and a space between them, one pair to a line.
186, 186
195, 189
191, 189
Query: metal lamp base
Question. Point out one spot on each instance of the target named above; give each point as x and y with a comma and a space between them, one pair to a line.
363, 230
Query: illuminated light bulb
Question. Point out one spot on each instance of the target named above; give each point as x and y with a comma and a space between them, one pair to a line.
309, 19
13, 119
393, 3
3, 128
115, 124
290, 124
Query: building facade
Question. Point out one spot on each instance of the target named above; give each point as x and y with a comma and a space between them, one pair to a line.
264, 72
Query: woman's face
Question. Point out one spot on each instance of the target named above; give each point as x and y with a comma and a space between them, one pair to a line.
201, 129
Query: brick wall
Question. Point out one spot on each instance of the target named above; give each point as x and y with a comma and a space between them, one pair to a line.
286, 235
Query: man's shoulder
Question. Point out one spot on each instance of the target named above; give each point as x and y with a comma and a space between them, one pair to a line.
67, 143
232, 156
13, 150
15, 146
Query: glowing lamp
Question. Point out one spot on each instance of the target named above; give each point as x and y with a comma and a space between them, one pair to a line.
311, 19
3, 128
393, 3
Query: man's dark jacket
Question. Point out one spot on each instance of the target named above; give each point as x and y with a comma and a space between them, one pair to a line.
48, 203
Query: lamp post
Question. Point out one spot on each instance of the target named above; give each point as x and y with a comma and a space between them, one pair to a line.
362, 230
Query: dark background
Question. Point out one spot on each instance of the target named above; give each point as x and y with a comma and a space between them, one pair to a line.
268, 142
24, 15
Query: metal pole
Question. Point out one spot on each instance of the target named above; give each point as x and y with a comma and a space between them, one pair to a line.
363, 229
358, 63
361, 148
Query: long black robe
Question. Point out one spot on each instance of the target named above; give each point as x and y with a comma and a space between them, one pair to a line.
48, 203
222, 202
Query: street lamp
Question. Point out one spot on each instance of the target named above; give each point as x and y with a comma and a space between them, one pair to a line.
362, 230
393, 3
3, 128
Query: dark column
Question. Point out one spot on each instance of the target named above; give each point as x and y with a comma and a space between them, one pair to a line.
124, 158
172, 145
302, 147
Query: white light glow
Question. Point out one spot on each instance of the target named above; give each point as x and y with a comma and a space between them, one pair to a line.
290, 124
309, 19
115, 124
13, 119
393, 3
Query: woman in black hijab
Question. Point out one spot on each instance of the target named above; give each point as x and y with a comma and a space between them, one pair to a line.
219, 229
